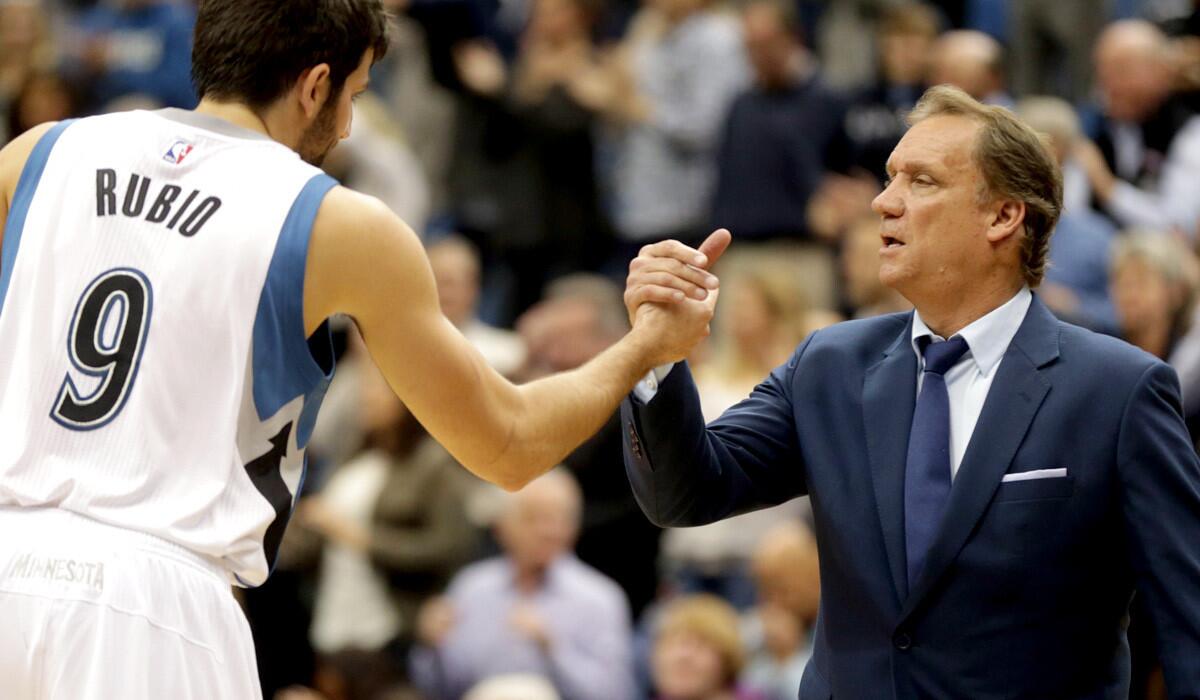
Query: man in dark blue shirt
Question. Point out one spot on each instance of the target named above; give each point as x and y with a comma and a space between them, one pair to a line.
782, 135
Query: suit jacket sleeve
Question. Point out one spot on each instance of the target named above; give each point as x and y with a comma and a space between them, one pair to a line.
686, 474
1160, 480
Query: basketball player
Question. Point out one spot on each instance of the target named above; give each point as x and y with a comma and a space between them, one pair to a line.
165, 278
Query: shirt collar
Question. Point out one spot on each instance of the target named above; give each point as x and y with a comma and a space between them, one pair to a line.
988, 337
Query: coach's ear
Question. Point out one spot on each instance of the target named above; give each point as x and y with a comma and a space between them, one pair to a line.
314, 86
1005, 220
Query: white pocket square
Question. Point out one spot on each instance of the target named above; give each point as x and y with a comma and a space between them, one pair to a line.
1035, 474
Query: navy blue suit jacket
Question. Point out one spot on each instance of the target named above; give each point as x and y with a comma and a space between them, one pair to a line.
1026, 587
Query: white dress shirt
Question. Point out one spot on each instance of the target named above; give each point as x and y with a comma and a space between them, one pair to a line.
967, 382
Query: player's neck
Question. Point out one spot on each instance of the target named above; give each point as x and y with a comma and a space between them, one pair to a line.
234, 113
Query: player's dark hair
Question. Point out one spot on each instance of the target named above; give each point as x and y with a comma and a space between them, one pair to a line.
253, 51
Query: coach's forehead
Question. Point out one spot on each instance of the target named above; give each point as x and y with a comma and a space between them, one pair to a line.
943, 142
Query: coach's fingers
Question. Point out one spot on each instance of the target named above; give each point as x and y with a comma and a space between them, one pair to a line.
674, 249
710, 303
715, 246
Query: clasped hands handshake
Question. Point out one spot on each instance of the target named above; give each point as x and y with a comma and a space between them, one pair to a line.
671, 295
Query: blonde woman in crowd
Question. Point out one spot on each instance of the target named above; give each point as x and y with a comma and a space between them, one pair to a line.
698, 652
1155, 281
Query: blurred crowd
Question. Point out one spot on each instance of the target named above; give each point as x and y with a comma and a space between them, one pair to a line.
536, 145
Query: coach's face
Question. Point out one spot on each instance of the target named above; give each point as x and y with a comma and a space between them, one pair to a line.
934, 222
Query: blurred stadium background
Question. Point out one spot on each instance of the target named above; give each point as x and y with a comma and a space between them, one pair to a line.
536, 145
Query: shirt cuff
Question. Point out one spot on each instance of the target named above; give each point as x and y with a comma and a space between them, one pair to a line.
646, 389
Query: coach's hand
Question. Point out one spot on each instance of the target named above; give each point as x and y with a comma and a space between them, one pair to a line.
671, 297
670, 272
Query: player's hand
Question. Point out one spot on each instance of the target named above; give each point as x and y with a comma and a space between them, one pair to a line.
672, 331
670, 272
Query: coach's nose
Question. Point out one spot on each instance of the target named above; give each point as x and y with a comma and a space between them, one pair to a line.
888, 203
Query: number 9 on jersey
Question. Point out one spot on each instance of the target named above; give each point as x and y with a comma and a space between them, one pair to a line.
105, 345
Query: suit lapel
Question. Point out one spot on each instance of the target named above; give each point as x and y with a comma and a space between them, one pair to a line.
1015, 395
889, 397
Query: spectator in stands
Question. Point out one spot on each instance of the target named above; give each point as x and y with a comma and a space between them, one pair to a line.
45, 96
523, 179
841, 25
698, 653
788, 580
875, 120
781, 136
973, 62
1145, 165
376, 159
1076, 282
513, 687
865, 295
137, 47
550, 98
681, 67
24, 48
1155, 281
420, 107
536, 609
582, 315
394, 526
456, 268
1051, 44
763, 314
353, 674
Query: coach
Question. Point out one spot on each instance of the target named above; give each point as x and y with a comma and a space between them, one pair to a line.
990, 485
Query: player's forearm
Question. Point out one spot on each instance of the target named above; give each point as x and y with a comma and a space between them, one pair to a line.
558, 413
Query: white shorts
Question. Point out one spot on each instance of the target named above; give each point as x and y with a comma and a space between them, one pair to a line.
92, 612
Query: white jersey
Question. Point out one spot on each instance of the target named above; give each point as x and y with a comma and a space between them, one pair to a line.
154, 370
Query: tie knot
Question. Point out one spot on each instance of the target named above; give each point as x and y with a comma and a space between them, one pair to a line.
940, 357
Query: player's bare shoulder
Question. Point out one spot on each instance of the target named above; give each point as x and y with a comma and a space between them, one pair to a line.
346, 213
356, 242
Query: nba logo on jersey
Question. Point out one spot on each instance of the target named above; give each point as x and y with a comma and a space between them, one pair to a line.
178, 151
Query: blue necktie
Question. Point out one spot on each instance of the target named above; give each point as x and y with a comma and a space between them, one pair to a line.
927, 469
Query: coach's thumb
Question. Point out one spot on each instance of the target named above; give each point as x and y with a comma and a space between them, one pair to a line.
715, 246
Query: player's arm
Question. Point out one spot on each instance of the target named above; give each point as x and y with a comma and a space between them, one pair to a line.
365, 262
12, 162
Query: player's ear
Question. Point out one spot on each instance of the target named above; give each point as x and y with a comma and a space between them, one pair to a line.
314, 86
